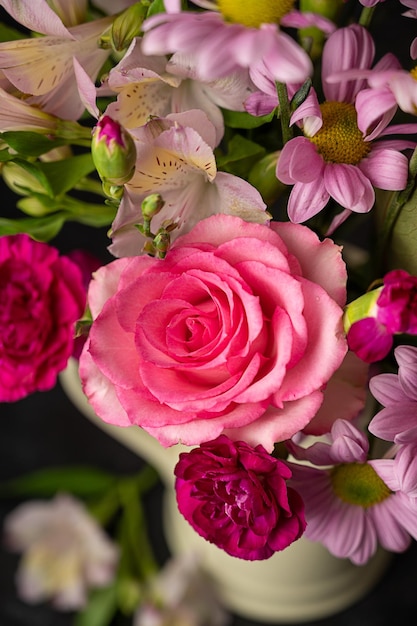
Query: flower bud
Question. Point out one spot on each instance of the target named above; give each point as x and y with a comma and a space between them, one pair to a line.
151, 205
361, 308
263, 177
128, 25
113, 151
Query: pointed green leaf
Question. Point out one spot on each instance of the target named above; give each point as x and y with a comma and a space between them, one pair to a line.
40, 228
80, 481
65, 174
241, 155
241, 119
30, 144
101, 608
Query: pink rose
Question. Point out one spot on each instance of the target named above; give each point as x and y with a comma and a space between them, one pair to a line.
42, 296
236, 496
238, 330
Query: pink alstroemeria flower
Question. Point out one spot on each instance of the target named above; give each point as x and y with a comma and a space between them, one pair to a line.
42, 67
152, 85
349, 506
336, 157
232, 35
398, 394
175, 158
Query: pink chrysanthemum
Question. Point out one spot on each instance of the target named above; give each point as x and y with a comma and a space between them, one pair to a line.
338, 158
398, 394
349, 507
234, 35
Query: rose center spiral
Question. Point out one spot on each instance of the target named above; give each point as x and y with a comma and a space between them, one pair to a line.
253, 14
339, 140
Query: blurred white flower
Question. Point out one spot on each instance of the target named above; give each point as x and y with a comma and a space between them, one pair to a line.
181, 595
65, 552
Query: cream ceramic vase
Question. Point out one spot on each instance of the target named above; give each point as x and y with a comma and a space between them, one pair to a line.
302, 583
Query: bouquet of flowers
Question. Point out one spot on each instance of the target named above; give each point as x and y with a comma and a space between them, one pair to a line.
255, 165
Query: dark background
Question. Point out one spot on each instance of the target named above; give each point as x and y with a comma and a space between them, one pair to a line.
45, 430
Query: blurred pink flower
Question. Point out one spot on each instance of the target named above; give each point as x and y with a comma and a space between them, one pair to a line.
236, 497
335, 157
65, 553
42, 296
398, 394
183, 595
348, 505
221, 44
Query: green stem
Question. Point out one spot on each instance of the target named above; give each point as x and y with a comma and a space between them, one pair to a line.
284, 112
366, 16
90, 185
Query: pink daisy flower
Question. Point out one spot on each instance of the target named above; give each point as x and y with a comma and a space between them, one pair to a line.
398, 394
349, 506
336, 158
232, 35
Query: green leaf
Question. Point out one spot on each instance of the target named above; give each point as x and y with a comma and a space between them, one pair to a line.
65, 174
101, 608
157, 6
241, 155
7, 33
41, 228
241, 119
401, 250
79, 481
30, 144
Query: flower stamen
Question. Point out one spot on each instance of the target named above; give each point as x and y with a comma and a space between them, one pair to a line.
358, 484
253, 14
339, 140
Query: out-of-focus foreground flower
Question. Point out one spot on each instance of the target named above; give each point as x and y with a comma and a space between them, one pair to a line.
65, 552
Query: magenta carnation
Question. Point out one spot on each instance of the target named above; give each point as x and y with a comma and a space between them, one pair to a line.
236, 331
42, 295
236, 497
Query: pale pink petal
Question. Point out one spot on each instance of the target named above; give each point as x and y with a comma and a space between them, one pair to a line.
404, 88
36, 15
297, 19
321, 261
299, 161
337, 221
287, 61
395, 422
349, 187
278, 424
307, 199
344, 396
392, 521
309, 114
375, 109
387, 389
235, 196
386, 169
346, 48
104, 285
86, 89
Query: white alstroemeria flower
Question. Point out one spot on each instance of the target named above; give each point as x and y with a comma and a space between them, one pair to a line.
152, 85
175, 158
181, 595
65, 552
42, 67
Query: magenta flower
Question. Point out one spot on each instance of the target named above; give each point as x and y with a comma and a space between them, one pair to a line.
236, 497
42, 295
398, 394
235, 37
393, 311
348, 505
335, 158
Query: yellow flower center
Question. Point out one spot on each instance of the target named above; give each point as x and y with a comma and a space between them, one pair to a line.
413, 72
358, 484
253, 14
339, 140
